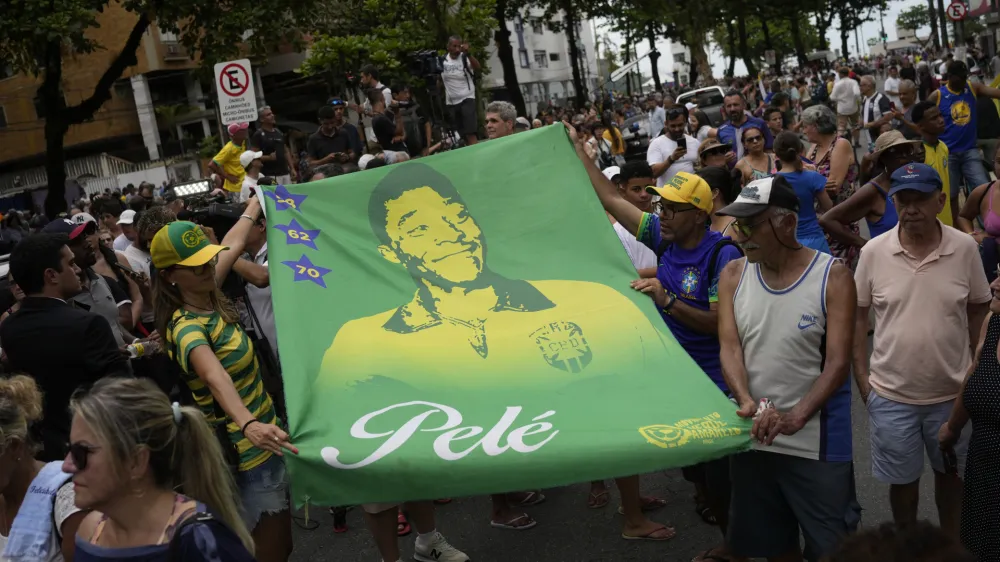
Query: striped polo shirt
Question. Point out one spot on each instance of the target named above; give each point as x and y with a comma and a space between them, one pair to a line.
234, 351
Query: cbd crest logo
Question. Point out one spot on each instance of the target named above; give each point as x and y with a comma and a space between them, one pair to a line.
706, 429
192, 238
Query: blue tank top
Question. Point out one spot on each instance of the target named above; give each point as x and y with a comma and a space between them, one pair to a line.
888, 219
959, 112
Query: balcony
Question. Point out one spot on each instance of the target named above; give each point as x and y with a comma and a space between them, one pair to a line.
173, 51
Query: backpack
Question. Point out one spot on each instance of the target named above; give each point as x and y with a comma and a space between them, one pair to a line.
470, 75
662, 249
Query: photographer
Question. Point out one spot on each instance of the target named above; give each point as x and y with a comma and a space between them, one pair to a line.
458, 78
416, 125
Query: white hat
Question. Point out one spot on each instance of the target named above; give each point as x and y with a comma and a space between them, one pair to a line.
127, 217
249, 156
690, 106
611, 171
364, 160
81, 218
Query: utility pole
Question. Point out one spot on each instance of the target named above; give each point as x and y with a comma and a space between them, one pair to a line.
884, 37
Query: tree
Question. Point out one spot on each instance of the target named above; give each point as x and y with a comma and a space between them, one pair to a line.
917, 17
168, 117
754, 43
504, 10
852, 15
360, 34
931, 16
37, 35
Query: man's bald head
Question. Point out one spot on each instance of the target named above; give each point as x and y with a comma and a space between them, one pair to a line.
867, 85
907, 93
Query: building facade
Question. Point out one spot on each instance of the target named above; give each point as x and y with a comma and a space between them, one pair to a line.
541, 56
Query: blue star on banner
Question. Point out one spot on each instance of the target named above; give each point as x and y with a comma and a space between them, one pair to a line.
306, 270
284, 200
296, 234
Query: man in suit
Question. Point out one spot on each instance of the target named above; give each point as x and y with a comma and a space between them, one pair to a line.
61, 347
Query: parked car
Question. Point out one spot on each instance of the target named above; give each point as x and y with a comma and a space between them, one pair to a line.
710, 100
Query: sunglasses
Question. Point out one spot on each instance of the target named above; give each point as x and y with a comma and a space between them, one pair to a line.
200, 269
747, 229
720, 151
757, 138
80, 454
674, 113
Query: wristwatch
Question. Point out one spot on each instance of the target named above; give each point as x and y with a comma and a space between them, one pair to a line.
670, 304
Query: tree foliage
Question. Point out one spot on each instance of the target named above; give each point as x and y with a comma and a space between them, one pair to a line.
37, 35
914, 17
359, 33
780, 32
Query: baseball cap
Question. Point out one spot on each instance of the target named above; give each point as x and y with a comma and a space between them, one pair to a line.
81, 218
182, 243
758, 195
127, 217
67, 226
611, 171
915, 177
249, 156
233, 128
522, 122
686, 188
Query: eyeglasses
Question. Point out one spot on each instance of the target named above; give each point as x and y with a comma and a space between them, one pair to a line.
747, 229
80, 454
749, 140
667, 213
720, 151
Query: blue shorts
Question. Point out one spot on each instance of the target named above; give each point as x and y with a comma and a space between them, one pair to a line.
263, 490
900, 433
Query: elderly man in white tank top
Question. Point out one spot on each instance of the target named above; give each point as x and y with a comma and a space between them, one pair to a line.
786, 320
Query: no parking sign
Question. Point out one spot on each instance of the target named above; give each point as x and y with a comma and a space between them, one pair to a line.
237, 100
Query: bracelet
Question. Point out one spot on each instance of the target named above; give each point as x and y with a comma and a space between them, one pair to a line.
248, 217
246, 425
670, 304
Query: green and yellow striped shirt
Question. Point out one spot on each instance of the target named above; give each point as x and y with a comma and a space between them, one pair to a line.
234, 350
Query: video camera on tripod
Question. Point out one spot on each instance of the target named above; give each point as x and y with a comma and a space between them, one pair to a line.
426, 63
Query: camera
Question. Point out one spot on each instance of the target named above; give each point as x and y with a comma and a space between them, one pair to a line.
425, 63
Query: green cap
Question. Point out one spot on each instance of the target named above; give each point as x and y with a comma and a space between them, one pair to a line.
182, 243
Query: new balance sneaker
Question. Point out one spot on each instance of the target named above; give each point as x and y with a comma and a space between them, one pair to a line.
437, 549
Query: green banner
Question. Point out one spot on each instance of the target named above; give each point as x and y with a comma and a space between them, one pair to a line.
463, 324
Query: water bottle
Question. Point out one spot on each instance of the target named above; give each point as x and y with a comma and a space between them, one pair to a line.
141, 348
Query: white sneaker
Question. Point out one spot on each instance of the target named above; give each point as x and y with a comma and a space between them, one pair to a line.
438, 550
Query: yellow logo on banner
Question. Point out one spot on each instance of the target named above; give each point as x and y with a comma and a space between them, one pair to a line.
706, 430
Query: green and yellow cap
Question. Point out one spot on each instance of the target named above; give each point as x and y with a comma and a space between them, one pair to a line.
686, 188
182, 243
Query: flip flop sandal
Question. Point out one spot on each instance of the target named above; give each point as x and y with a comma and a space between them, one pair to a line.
402, 525
596, 500
652, 505
510, 524
649, 536
705, 512
532, 498
707, 556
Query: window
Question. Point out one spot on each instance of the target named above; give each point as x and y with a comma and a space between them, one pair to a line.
524, 58
536, 26
3, 118
680, 57
541, 61
554, 57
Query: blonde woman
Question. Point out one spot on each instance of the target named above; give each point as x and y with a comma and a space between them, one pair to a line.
130, 449
202, 333
43, 531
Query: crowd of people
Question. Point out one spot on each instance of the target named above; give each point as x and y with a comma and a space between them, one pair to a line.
158, 429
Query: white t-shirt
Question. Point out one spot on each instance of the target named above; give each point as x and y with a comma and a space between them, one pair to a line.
846, 93
248, 182
660, 150
458, 84
65, 505
121, 243
260, 300
892, 85
640, 255
140, 261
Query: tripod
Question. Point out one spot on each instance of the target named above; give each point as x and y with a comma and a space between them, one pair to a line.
440, 114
